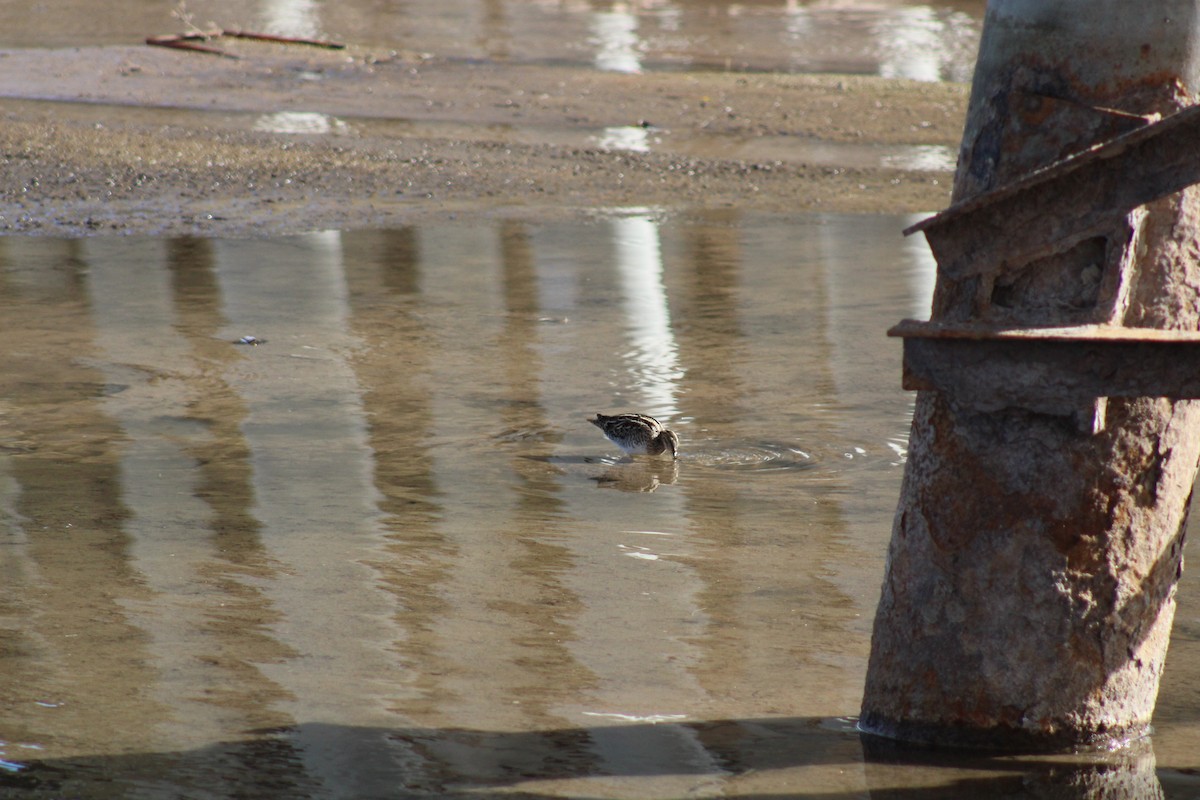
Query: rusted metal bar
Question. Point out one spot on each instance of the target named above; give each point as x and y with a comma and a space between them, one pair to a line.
188, 41
1024, 220
985, 368
184, 41
271, 37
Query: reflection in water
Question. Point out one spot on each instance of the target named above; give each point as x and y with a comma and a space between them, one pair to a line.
302, 122
634, 138
639, 475
931, 157
1128, 773
379, 553
614, 35
909, 39
139, 347
926, 41
314, 494
299, 18
647, 318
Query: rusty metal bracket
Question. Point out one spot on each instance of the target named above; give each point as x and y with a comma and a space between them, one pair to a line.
1047, 369
1023, 221
1060, 370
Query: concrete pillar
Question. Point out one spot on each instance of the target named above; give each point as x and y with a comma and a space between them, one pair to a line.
1029, 589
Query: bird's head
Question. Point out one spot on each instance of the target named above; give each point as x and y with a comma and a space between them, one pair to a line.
672, 440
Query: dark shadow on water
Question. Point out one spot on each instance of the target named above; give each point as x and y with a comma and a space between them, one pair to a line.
745, 758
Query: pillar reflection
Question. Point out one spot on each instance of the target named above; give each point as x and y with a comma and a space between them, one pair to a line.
299, 18
314, 493
652, 356
66, 561
613, 34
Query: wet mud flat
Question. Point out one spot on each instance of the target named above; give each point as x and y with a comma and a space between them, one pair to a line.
284, 138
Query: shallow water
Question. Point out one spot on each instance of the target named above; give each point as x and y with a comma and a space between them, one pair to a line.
382, 553
923, 41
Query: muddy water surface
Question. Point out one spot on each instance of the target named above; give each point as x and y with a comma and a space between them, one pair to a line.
381, 552
920, 40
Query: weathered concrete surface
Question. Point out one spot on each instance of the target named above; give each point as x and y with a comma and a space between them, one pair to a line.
1030, 583
1053, 78
1034, 609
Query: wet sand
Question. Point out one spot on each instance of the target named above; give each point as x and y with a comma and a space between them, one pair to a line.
144, 140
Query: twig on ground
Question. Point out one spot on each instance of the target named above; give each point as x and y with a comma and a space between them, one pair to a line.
188, 41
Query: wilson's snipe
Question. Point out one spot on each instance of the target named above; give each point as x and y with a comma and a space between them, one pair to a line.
638, 434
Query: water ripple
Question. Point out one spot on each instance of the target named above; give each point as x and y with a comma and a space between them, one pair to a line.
754, 456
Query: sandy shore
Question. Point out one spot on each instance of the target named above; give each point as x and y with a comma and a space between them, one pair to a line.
153, 141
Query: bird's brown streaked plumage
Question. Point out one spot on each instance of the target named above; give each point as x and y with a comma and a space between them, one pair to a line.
638, 434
